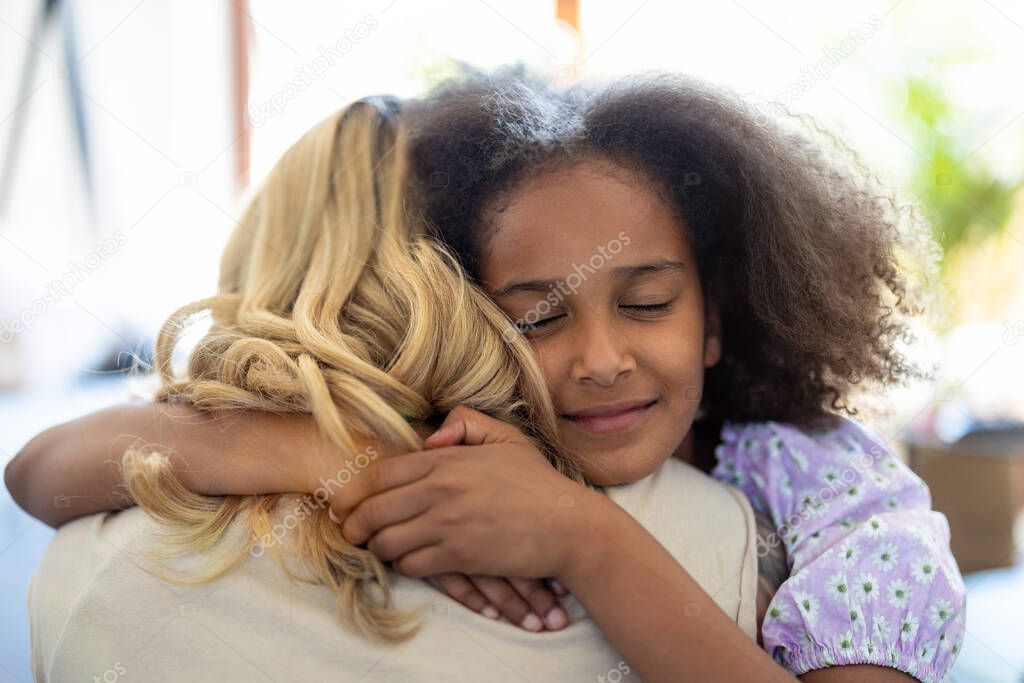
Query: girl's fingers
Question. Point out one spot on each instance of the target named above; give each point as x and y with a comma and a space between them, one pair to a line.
509, 602
446, 435
400, 540
385, 519
542, 601
472, 428
460, 588
429, 560
381, 476
383, 510
450, 433
557, 588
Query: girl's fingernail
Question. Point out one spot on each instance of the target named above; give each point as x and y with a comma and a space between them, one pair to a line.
556, 618
490, 612
532, 622
557, 587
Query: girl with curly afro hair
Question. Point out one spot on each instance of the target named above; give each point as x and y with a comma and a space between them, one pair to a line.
702, 282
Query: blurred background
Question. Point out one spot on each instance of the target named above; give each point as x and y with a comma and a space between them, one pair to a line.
129, 131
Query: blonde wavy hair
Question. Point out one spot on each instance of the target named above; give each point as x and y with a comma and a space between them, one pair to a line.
333, 301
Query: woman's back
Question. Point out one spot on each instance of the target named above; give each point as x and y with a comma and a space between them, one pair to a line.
96, 612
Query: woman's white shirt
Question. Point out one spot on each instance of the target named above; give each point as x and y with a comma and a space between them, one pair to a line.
98, 614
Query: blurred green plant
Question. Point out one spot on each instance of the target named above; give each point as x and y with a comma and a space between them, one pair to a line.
961, 196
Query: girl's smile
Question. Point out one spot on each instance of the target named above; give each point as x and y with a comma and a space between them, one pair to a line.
611, 417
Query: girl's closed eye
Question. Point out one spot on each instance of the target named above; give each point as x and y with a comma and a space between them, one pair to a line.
649, 308
641, 308
525, 327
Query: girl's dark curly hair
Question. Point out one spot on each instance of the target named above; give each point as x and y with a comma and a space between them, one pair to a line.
804, 255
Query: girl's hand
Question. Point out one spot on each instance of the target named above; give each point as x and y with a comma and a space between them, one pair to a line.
494, 507
529, 603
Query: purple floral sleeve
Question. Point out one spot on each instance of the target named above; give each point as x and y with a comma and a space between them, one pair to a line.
872, 579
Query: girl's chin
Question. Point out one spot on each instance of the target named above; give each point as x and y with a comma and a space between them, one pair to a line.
614, 471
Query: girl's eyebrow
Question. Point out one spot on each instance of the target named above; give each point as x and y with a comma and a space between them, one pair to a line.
620, 273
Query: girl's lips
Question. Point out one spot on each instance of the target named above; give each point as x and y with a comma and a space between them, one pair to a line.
611, 423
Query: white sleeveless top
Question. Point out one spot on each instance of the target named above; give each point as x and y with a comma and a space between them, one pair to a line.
96, 613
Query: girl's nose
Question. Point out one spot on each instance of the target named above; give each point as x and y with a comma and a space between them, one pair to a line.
601, 356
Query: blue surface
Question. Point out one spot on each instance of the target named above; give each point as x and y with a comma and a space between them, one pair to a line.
22, 538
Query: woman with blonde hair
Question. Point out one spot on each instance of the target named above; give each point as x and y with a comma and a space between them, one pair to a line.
334, 302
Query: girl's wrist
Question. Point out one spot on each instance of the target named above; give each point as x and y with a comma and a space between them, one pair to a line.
590, 533
278, 453
322, 460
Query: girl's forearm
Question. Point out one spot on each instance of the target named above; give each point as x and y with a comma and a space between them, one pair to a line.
73, 469
662, 622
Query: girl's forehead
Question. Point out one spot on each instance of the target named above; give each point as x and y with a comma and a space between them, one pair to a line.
555, 222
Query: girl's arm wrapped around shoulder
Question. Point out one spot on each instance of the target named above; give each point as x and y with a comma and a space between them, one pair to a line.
74, 468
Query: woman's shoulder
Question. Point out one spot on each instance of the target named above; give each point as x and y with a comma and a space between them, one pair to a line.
717, 543
722, 512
